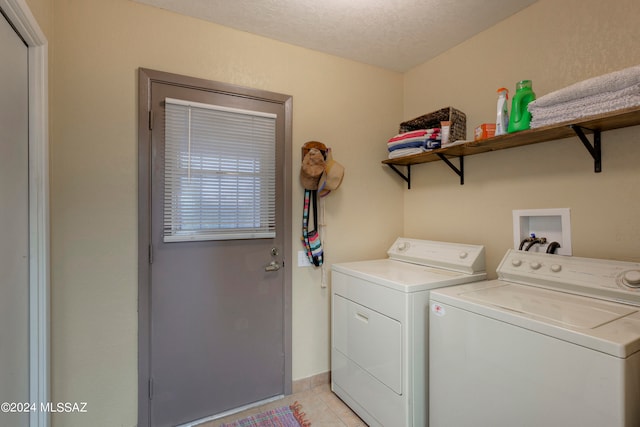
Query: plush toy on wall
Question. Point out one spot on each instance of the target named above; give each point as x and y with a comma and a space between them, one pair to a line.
313, 165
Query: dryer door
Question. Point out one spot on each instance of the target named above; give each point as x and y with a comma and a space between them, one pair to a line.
370, 339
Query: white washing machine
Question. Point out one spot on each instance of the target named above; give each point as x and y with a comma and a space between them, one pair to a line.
379, 326
554, 341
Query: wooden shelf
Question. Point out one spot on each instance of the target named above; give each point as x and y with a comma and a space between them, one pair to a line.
594, 125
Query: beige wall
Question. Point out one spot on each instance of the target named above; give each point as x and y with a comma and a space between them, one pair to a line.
42, 10
554, 43
98, 48
95, 51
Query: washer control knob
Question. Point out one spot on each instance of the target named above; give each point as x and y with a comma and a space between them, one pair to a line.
535, 265
516, 262
556, 268
463, 255
632, 278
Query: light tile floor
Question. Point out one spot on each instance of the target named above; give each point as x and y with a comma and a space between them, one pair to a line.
321, 407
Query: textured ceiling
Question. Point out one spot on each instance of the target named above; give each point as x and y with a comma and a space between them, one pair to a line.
393, 34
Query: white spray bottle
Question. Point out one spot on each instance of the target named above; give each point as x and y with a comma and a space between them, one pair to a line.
502, 116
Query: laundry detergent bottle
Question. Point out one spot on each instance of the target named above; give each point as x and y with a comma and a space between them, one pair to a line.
502, 115
520, 118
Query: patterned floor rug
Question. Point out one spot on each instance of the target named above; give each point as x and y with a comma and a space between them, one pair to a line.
286, 416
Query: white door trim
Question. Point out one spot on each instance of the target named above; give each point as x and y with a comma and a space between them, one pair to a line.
18, 12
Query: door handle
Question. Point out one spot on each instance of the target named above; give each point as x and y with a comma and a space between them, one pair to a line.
273, 266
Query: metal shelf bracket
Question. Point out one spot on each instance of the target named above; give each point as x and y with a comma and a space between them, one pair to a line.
406, 177
460, 171
595, 150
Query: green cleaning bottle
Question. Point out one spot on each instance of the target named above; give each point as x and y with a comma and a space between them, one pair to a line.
520, 117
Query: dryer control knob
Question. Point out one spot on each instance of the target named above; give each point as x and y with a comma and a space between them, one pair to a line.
632, 278
403, 246
556, 268
463, 255
535, 265
516, 262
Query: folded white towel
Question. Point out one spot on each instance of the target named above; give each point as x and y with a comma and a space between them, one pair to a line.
585, 107
587, 100
580, 113
611, 82
406, 152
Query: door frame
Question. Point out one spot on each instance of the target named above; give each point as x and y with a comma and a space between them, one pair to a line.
25, 24
145, 79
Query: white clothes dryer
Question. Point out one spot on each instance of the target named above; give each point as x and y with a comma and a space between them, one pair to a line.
554, 341
379, 326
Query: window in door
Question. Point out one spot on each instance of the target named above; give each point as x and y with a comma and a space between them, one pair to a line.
219, 172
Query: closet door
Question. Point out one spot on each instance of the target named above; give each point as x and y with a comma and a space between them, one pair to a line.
14, 226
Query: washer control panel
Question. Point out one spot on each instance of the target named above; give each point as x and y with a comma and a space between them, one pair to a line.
451, 256
609, 279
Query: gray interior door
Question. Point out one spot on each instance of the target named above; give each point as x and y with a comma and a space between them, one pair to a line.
216, 307
14, 225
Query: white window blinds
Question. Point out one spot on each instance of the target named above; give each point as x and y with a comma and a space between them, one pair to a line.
219, 176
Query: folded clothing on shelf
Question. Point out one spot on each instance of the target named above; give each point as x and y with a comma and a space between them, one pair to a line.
422, 138
598, 95
406, 152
